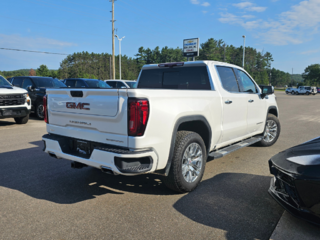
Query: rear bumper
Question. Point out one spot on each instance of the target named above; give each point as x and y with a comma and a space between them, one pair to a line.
119, 160
13, 112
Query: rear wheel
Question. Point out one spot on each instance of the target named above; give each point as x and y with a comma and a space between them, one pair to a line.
22, 120
271, 131
40, 111
188, 162
307, 93
292, 92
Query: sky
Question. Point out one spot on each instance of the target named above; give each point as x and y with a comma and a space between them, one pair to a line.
288, 29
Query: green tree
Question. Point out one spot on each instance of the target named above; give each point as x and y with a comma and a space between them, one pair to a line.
43, 71
312, 74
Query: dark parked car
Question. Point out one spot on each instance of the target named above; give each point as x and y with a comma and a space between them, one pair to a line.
36, 87
85, 83
296, 182
318, 90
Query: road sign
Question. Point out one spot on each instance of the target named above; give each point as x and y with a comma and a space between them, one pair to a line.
191, 47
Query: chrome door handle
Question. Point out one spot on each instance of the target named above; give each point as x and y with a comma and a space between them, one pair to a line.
228, 102
250, 101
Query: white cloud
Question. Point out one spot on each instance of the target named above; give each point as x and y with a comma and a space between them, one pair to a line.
204, 12
194, 1
205, 4
310, 52
247, 16
29, 43
294, 26
248, 6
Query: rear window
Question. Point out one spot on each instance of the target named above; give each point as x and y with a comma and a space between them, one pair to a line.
48, 83
192, 78
97, 84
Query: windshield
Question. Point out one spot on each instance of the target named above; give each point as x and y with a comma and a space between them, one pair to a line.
4, 82
48, 83
97, 84
308, 88
132, 84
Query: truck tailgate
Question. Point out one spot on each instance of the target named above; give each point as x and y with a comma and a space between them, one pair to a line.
89, 112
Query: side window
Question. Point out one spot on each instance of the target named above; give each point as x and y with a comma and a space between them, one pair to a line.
228, 79
111, 84
246, 83
26, 82
70, 83
80, 84
120, 85
17, 82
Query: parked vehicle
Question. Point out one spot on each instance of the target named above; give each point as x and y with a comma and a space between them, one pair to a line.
85, 83
121, 83
289, 90
14, 102
314, 90
318, 90
304, 90
180, 114
296, 182
36, 87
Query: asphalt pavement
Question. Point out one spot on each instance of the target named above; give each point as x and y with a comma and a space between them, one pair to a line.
44, 198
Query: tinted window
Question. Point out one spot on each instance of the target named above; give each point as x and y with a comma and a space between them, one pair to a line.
26, 82
71, 83
4, 82
175, 78
246, 83
80, 83
132, 84
111, 84
48, 83
97, 84
17, 82
308, 88
228, 79
120, 85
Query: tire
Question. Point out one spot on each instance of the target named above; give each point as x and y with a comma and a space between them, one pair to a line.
182, 175
22, 120
266, 140
292, 92
39, 113
307, 93
297, 93
287, 92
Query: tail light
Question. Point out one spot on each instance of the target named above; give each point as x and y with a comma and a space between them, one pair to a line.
45, 110
138, 113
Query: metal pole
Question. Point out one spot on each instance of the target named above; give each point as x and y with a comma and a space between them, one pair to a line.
120, 58
244, 49
193, 59
110, 68
113, 58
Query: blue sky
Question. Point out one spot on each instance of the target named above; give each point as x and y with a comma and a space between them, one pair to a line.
289, 29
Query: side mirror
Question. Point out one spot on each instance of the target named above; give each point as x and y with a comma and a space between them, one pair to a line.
268, 90
123, 87
30, 88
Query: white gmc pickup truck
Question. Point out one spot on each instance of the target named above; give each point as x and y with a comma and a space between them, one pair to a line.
179, 115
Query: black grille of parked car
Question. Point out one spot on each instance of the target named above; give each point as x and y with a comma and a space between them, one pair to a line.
12, 99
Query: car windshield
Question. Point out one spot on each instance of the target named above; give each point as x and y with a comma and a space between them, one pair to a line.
132, 84
97, 84
4, 82
308, 88
48, 83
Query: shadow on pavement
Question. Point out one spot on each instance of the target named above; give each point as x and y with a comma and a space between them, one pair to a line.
34, 173
3, 122
237, 203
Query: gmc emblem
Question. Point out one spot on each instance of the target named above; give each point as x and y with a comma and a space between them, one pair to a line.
74, 105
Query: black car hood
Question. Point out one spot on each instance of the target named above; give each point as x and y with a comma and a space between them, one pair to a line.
303, 160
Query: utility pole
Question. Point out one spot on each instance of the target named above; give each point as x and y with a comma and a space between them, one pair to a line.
120, 39
292, 78
244, 49
110, 68
113, 58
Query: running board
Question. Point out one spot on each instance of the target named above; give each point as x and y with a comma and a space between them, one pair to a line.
226, 150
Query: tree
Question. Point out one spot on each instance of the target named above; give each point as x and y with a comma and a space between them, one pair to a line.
312, 74
43, 71
32, 72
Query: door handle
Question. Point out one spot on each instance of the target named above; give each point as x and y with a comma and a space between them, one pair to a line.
250, 101
228, 102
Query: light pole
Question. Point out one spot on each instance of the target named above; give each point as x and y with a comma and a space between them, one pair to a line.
270, 80
244, 49
120, 39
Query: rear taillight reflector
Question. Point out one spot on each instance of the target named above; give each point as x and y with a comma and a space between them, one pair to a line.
138, 113
45, 110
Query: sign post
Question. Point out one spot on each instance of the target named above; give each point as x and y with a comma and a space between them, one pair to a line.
191, 48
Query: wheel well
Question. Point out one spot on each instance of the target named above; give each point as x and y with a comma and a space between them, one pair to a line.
198, 127
273, 111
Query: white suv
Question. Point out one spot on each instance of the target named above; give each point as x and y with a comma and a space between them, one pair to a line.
14, 102
121, 83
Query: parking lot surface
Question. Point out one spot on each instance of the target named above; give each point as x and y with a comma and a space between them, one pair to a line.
44, 198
